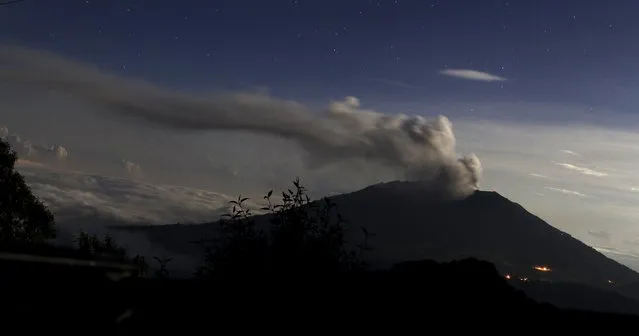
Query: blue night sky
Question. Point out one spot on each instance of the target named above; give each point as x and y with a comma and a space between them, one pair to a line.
543, 92
558, 51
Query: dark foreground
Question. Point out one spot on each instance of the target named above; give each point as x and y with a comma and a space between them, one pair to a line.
412, 297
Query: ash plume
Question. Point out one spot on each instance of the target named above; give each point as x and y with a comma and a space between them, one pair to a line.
417, 148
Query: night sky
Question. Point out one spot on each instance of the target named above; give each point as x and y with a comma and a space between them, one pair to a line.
544, 92
380, 51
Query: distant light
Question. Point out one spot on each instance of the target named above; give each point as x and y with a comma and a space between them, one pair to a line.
507, 276
542, 268
611, 282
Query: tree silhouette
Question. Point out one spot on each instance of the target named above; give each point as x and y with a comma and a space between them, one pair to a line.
107, 248
92, 245
304, 236
23, 217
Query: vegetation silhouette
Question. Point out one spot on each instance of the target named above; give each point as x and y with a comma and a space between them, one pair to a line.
303, 237
24, 219
91, 246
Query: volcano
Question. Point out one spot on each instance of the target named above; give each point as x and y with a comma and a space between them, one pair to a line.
411, 223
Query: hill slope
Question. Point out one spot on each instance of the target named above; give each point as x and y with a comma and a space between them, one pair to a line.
410, 223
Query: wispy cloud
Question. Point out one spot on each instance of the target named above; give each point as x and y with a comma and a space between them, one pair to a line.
538, 175
567, 192
605, 235
567, 151
583, 170
631, 242
472, 75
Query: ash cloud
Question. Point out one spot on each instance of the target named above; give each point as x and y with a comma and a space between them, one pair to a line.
416, 148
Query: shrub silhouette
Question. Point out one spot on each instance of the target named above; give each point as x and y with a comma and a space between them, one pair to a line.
304, 236
163, 271
92, 246
24, 219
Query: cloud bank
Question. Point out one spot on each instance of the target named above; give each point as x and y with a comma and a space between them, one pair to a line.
472, 75
33, 152
416, 148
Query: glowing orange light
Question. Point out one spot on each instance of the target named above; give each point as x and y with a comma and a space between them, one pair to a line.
542, 268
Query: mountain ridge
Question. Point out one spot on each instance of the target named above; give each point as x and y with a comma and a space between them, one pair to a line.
413, 223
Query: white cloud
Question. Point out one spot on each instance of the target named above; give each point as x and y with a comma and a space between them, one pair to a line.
132, 169
92, 203
567, 151
566, 191
583, 170
75, 194
471, 75
538, 175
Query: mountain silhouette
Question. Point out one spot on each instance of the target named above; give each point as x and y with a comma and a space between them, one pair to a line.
410, 223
